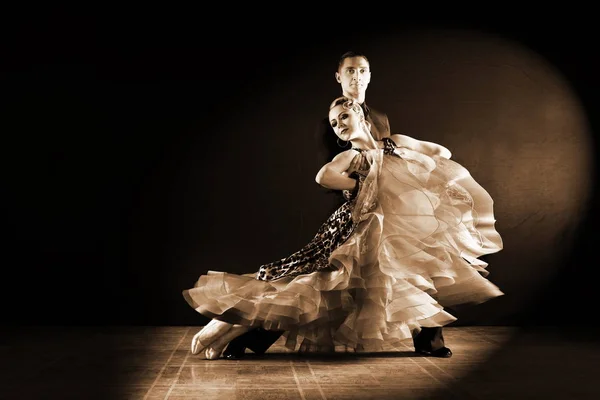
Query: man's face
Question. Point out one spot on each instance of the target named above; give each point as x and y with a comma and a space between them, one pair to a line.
354, 75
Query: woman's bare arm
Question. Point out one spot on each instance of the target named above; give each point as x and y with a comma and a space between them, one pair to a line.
422, 146
334, 174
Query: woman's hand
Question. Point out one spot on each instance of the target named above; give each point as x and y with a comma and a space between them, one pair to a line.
359, 164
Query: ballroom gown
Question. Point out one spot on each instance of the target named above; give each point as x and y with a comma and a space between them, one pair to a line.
387, 262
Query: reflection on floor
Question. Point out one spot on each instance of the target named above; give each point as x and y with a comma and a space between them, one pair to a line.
155, 363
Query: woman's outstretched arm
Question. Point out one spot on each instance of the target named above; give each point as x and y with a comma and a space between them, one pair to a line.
422, 146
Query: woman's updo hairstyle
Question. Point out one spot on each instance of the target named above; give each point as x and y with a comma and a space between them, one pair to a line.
348, 104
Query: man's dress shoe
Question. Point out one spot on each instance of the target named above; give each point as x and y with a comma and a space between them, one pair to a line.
424, 342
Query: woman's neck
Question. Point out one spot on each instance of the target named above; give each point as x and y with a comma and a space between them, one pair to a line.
365, 142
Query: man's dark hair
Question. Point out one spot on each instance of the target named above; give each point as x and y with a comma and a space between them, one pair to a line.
350, 54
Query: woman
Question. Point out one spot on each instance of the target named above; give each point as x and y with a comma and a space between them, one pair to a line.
407, 242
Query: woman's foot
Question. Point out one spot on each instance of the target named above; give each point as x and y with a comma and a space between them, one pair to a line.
214, 350
209, 334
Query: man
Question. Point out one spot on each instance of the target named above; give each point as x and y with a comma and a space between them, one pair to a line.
354, 75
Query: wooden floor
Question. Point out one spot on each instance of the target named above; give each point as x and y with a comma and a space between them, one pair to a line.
155, 363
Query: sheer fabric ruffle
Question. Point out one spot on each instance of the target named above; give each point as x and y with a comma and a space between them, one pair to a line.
422, 224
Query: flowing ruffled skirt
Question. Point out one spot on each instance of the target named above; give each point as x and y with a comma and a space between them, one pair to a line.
420, 224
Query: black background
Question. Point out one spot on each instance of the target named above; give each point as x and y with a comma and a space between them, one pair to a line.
140, 150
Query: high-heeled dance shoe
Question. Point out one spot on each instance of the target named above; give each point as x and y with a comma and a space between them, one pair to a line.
209, 333
196, 345
258, 340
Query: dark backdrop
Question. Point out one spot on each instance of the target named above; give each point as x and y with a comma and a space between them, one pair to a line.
141, 150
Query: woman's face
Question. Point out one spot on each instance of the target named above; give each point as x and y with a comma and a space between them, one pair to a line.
345, 122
